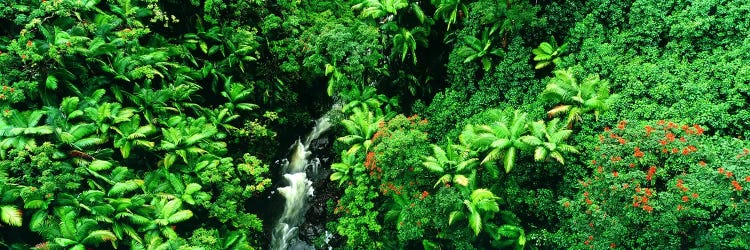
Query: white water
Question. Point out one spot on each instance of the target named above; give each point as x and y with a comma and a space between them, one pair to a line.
285, 234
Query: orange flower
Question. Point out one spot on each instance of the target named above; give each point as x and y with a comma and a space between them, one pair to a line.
638, 153
675, 150
721, 170
670, 137
424, 194
698, 129
615, 174
747, 178
649, 129
651, 172
648, 208
695, 195
736, 185
702, 163
729, 174
685, 198
566, 204
679, 207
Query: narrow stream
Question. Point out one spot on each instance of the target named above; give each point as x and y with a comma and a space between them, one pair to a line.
298, 170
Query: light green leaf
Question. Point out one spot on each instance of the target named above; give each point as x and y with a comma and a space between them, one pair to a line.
99, 165
11, 215
51, 82
180, 216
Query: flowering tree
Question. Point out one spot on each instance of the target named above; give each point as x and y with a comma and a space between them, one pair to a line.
660, 185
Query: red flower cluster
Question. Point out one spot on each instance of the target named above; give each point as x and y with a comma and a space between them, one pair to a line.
670, 137
622, 124
744, 153
638, 153
377, 135
424, 194
736, 185
649, 129
650, 173
642, 201
370, 164
681, 186
340, 208
385, 188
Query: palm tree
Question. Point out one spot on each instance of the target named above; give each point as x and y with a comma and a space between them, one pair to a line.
78, 232
236, 94
21, 130
479, 49
503, 138
131, 133
481, 205
590, 96
450, 10
349, 167
405, 42
548, 54
554, 145
165, 214
366, 98
380, 8
184, 138
361, 126
453, 162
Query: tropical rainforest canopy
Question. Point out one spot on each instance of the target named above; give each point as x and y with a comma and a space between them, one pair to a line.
457, 124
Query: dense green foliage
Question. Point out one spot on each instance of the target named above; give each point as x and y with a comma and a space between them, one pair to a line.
460, 124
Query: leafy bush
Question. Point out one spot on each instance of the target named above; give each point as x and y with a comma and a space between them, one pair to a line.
658, 185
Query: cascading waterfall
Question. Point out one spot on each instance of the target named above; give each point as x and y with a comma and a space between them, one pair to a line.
285, 233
